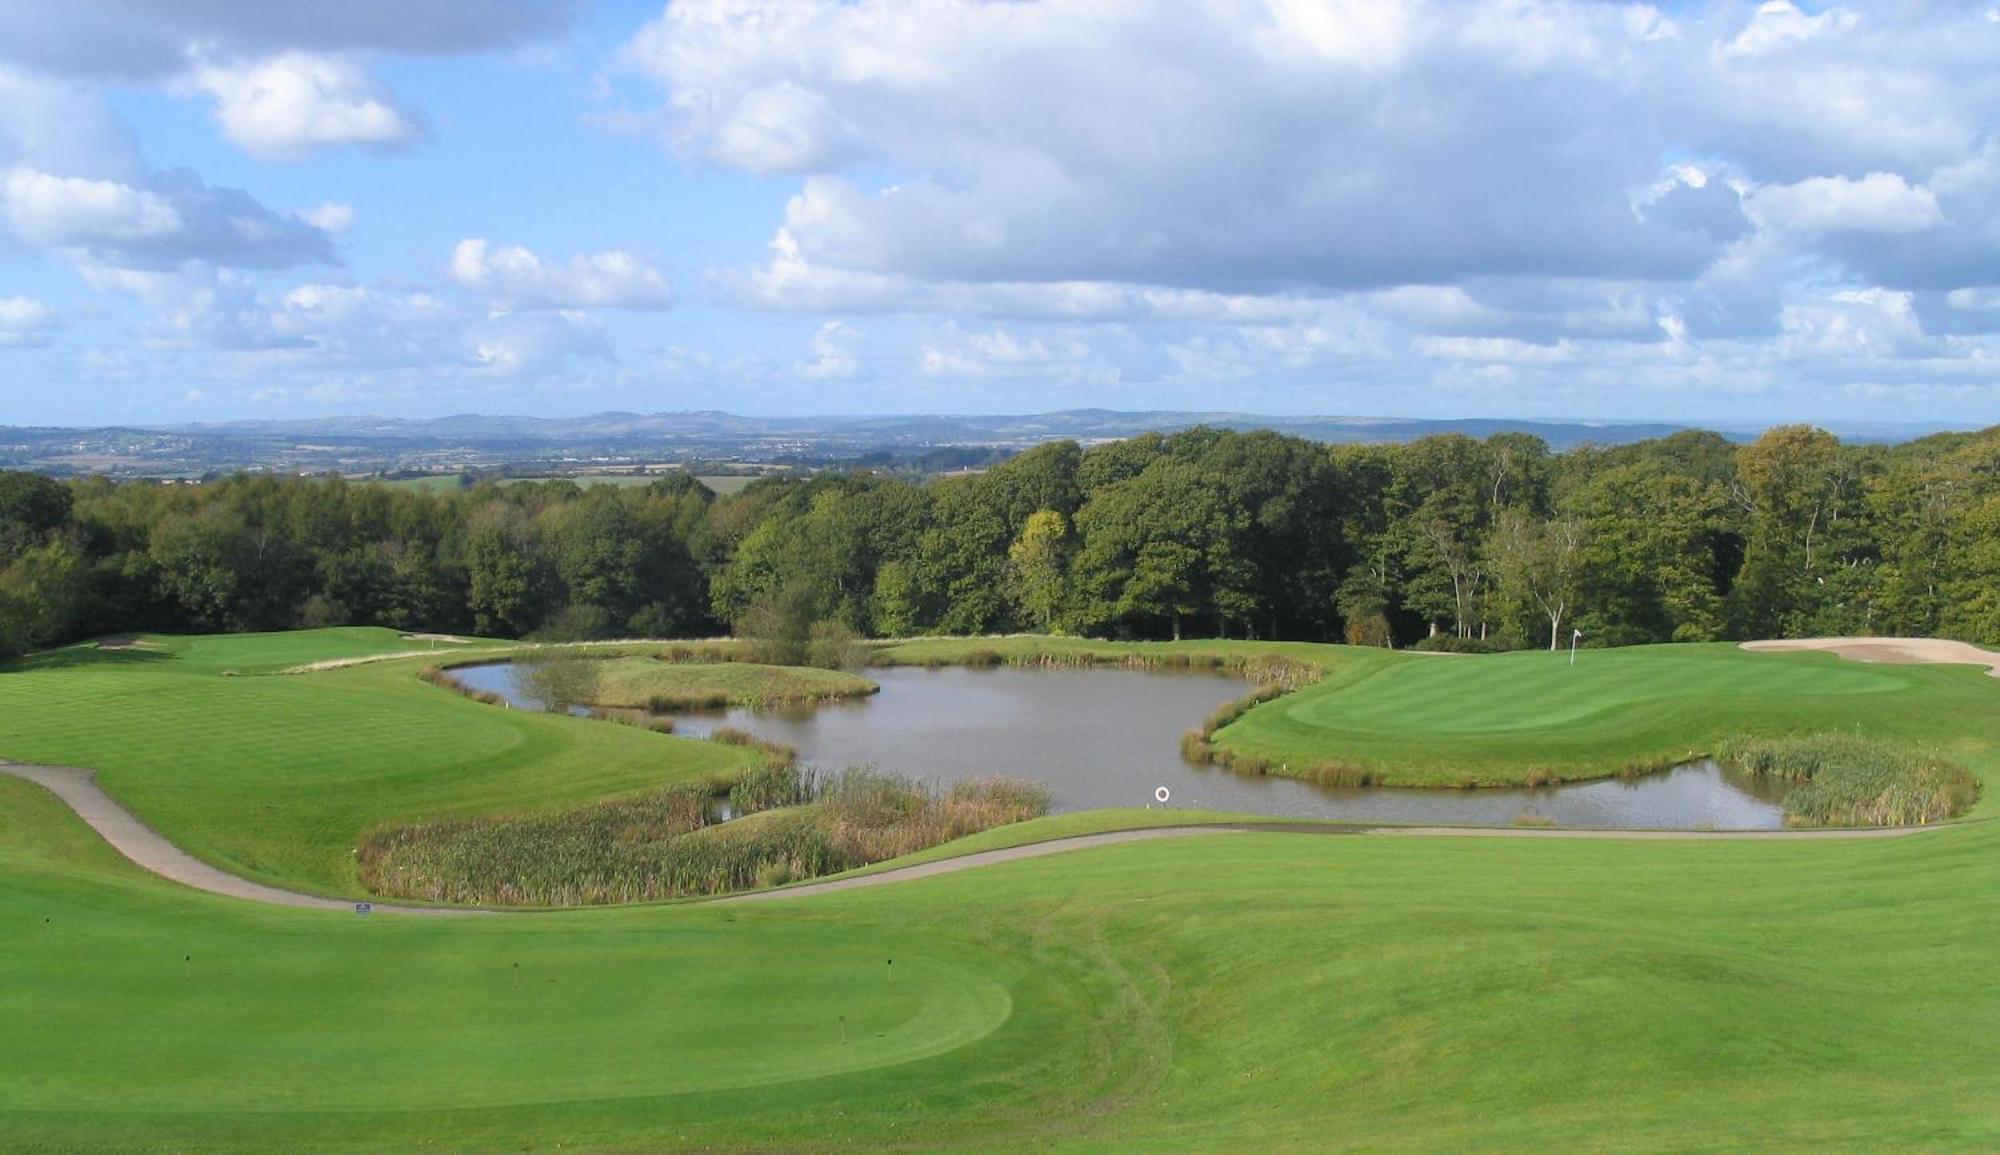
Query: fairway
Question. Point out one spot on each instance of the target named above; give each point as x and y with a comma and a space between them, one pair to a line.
1448, 720
1271, 991
276, 777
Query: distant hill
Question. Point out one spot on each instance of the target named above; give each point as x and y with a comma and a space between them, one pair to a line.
474, 442
1084, 424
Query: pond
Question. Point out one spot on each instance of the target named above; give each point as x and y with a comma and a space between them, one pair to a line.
1110, 737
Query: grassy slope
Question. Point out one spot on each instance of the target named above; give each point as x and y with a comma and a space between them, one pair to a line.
630, 681
274, 777
1247, 992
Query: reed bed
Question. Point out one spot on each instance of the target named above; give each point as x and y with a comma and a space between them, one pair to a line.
1261, 669
1846, 780
667, 843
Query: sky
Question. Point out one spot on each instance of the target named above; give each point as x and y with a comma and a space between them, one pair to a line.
1723, 213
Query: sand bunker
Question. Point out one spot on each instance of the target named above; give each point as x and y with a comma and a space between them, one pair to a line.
1900, 651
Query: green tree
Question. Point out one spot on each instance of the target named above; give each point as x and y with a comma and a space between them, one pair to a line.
1038, 568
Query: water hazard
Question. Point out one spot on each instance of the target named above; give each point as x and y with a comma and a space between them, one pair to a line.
1111, 737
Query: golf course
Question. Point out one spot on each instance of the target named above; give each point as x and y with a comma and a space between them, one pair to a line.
1270, 990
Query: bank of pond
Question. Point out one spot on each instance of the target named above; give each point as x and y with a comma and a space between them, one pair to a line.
856, 770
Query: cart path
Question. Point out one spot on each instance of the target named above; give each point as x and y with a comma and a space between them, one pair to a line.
78, 789
139, 842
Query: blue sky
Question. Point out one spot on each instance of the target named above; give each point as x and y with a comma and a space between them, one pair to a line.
1731, 212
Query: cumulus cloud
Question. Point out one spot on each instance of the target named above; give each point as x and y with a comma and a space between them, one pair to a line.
26, 323
1533, 190
286, 106
167, 220
516, 278
330, 217
1779, 24
1309, 145
833, 353
1880, 202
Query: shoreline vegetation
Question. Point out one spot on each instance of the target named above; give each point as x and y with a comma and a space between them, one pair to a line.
1839, 780
788, 825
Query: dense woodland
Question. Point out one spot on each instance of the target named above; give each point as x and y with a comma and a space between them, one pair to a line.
1445, 542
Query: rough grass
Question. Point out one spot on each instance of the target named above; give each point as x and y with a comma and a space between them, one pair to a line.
666, 844
646, 683
1843, 780
1291, 664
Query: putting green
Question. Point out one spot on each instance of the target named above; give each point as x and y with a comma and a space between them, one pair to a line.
1497, 718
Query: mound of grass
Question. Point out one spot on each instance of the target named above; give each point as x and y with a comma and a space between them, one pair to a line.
665, 844
644, 683
1843, 780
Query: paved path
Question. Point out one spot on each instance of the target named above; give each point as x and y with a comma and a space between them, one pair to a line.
986, 858
150, 849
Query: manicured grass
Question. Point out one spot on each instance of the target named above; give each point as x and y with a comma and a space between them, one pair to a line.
633, 682
278, 777
1487, 719
1247, 992
1251, 991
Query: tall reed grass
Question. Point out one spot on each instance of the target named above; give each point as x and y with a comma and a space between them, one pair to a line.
666, 843
1846, 780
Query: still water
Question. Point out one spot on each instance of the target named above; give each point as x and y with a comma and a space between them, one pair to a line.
1112, 737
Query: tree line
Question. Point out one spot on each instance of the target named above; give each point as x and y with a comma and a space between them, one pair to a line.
1445, 542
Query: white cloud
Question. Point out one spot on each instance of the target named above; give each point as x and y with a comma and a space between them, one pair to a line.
832, 354
171, 219
26, 323
516, 278
56, 210
1859, 323
1496, 350
287, 106
330, 217
1778, 24
1880, 202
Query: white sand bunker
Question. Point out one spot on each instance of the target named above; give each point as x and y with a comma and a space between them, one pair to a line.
1900, 651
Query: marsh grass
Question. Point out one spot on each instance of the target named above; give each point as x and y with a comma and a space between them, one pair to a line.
1279, 677
1845, 780
665, 844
